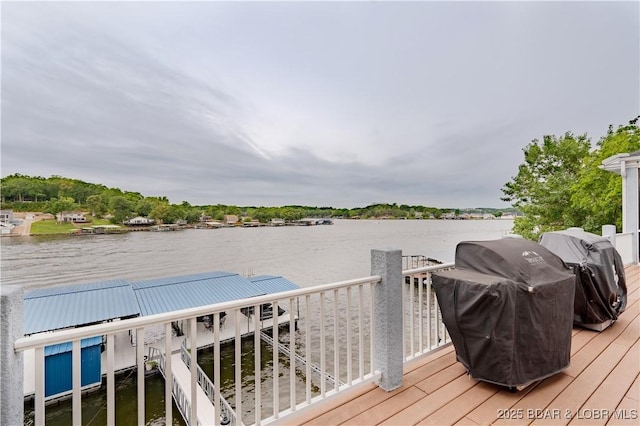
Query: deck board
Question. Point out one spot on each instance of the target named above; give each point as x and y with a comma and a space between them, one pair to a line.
379, 413
604, 374
450, 413
613, 389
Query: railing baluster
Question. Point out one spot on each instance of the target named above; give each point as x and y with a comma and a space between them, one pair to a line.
420, 314
76, 380
307, 344
257, 364
349, 351
292, 360
371, 327
168, 375
276, 361
361, 331
111, 386
140, 376
323, 366
39, 396
238, 363
429, 324
217, 404
411, 312
193, 369
336, 347
404, 324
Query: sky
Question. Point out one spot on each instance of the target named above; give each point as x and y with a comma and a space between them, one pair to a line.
340, 104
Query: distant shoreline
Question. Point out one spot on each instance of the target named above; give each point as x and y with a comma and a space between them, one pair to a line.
86, 228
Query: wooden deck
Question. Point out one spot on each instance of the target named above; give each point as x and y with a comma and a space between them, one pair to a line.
601, 386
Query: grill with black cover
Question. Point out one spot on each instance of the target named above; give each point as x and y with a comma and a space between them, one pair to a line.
601, 289
508, 307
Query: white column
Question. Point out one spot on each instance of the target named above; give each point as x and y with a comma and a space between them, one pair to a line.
631, 205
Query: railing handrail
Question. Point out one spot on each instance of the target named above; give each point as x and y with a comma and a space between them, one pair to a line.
430, 268
66, 335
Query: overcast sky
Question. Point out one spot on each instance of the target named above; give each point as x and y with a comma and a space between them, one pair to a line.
339, 104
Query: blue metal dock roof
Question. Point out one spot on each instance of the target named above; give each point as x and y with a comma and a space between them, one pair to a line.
182, 292
272, 284
54, 308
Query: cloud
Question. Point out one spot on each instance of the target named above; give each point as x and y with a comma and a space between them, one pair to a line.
340, 104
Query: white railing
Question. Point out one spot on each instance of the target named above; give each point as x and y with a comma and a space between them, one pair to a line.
624, 245
423, 328
330, 327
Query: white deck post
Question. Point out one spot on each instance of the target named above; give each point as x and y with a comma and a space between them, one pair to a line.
628, 166
609, 232
12, 371
389, 340
631, 206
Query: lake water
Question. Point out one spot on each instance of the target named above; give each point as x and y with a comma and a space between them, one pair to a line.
307, 256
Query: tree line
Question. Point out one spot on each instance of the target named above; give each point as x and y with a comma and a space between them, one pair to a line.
58, 194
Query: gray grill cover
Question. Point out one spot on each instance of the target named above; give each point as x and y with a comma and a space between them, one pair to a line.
601, 288
508, 307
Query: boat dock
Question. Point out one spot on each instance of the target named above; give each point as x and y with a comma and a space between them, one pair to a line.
46, 310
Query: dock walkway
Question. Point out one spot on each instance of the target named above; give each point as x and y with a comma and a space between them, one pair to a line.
182, 375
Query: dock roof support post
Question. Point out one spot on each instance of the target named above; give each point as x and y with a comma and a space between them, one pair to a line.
12, 362
388, 358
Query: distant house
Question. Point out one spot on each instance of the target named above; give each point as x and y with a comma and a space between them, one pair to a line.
213, 224
508, 216
230, 219
6, 216
205, 218
139, 221
251, 223
277, 222
71, 217
6, 228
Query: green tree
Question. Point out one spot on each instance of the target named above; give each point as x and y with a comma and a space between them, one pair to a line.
57, 205
145, 206
121, 208
542, 189
133, 196
263, 214
97, 205
192, 215
166, 213
15, 187
598, 192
